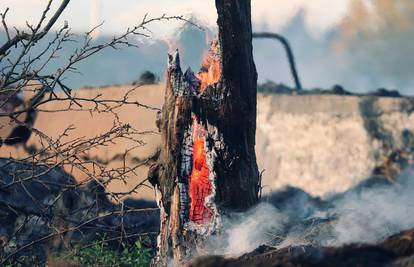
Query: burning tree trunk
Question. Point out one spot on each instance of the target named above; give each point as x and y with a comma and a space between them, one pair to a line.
208, 164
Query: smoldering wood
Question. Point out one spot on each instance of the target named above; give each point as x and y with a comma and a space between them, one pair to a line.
226, 112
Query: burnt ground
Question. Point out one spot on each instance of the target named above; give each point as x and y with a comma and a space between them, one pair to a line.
397, 250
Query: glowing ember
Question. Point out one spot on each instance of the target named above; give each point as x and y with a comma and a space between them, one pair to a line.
200, 185
210, 71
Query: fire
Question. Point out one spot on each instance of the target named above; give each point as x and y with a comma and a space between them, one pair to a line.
210, 71
200, 185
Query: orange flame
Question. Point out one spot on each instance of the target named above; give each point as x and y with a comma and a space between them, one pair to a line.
210, 71
200, 185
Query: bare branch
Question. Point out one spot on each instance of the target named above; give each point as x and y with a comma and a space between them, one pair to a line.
34, 38
3, 21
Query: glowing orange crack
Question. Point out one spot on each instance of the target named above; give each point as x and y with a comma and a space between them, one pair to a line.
200, 185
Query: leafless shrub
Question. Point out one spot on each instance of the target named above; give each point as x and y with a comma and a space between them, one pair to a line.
24, 59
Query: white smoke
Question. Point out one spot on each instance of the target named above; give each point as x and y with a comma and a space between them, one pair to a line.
254, 228
375, 213
366, 214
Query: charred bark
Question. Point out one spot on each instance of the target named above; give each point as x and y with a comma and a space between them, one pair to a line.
236, 118
207, 163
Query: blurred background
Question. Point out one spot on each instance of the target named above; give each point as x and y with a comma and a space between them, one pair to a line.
362, 45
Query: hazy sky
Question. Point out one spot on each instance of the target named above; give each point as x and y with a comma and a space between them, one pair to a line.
119, 14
